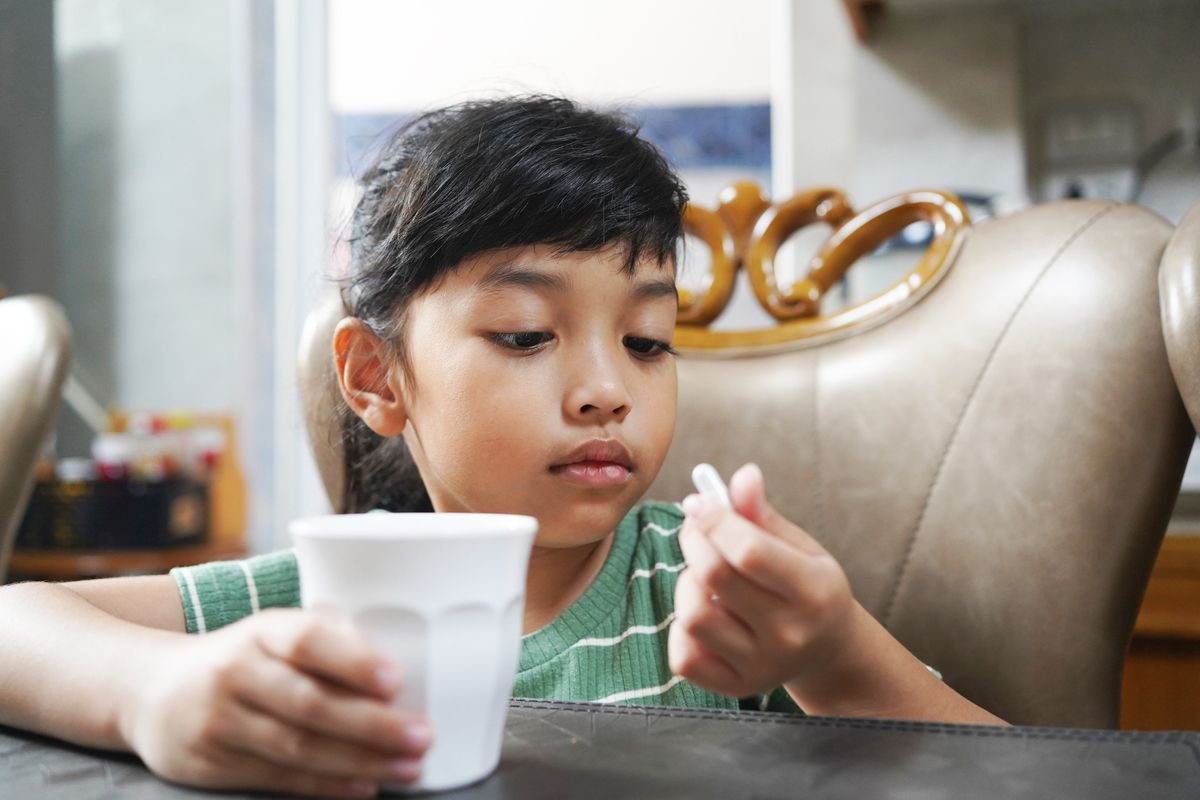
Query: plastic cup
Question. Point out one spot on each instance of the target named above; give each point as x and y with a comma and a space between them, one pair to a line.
443, 596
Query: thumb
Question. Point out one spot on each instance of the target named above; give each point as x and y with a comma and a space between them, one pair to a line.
748, 493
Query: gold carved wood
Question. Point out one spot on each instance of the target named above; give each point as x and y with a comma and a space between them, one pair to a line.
726, 233
747, 231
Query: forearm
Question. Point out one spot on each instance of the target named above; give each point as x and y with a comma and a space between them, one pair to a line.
69, 669
873, 675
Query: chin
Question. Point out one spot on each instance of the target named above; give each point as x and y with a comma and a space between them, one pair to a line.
573, 524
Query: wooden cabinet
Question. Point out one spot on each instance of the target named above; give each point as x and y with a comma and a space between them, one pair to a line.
1161, 688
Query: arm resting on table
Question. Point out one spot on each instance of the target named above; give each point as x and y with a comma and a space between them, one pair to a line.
73, 656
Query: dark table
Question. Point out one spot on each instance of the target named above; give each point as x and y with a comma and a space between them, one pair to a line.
555, 750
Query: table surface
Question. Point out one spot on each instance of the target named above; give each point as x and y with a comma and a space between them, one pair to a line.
593, 751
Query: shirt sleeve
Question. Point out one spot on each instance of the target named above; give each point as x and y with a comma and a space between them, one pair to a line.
222, 592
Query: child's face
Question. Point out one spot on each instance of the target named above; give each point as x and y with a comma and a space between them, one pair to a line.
521, 357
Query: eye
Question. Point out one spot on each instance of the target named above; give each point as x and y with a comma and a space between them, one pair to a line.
648, 347
521, 340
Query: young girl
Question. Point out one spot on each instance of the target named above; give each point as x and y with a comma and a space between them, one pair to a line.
512, 304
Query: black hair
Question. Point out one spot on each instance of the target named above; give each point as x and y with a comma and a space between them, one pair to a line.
478, 177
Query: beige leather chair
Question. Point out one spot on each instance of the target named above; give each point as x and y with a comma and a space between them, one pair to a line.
1179, 286
991, 448
34, 354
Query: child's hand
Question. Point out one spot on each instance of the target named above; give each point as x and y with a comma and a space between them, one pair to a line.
761, 603
285, 700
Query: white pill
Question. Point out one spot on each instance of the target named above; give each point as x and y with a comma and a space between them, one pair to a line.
708, 483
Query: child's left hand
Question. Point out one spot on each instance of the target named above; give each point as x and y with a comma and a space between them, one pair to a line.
761, 603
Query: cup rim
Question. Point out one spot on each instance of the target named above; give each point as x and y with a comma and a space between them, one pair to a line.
381, 526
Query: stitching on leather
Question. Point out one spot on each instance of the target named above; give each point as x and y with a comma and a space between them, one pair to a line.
1100, 735
962, 414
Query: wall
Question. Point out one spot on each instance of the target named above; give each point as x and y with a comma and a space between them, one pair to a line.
388, 56
1146, 54
664, 55
28, 170
145, 144
938, 104
166, 269
933, 99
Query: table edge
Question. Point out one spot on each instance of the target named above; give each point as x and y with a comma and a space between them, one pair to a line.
1191, 739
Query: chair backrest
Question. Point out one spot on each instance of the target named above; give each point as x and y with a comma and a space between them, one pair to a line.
319, 393
1179, 285
994, 467
992, 451
33, 365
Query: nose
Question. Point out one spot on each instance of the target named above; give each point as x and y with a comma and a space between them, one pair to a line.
597, 392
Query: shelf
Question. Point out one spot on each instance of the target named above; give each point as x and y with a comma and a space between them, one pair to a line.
65, 566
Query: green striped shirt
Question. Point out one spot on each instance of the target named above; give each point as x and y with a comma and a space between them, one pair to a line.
609, 646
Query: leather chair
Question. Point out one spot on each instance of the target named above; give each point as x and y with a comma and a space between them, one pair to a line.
991, 448
33, 365
1179, 286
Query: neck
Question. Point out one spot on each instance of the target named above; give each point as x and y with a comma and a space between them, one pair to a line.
557, 577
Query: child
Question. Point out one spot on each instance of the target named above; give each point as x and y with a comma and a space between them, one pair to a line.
512, 303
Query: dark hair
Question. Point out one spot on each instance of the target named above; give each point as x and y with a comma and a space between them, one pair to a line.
482, 176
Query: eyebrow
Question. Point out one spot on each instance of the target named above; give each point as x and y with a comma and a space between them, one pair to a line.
652, 290
513, 275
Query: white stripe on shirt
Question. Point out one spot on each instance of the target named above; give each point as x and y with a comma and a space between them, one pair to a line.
661, 565
251, 587
195, 596
637, 573
625, 634
660, 530
633, 694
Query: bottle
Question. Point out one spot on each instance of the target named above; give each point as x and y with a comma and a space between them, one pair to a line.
113, 454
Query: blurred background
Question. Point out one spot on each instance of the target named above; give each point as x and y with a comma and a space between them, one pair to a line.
179, 174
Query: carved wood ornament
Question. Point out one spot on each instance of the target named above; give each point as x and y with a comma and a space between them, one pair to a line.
746, 232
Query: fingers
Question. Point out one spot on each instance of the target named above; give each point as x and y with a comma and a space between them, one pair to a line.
741, 598
327, 644
692, 661
748, 493
767, 561
273, 686
711, 624
779, 595
233, 769
266, 737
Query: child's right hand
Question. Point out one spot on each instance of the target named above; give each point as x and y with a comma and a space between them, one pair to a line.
286, 700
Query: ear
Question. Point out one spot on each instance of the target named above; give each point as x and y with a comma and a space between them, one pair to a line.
367, 379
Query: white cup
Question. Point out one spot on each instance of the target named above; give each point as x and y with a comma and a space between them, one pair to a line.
443, 596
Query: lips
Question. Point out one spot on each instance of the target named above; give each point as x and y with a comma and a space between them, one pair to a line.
609, 451
599, 463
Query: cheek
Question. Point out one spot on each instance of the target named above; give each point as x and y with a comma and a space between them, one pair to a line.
475, 413
669, 412
659, 414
